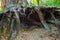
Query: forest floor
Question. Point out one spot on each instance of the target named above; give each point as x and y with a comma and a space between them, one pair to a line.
38, 34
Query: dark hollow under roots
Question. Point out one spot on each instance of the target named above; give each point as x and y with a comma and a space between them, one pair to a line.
29, 16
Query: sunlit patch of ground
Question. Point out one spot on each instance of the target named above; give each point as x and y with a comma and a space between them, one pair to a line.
38, 34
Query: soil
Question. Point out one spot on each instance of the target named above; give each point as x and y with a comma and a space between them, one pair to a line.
37, 34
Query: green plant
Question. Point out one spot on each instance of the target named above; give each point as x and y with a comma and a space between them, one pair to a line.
45, 3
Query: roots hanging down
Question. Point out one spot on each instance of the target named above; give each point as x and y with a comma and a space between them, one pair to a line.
28, 17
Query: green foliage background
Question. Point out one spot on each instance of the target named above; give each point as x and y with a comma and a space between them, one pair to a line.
47, 3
